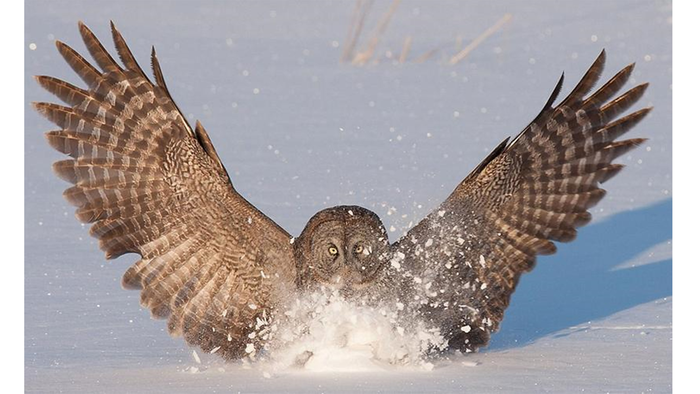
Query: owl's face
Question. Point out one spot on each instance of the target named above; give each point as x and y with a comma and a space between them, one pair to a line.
344, 247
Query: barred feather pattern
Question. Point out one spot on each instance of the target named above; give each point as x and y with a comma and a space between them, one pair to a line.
212, 264
462, 263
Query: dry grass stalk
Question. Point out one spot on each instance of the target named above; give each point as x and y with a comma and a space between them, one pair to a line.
357, 22
362, 57
405, 50
458, 43
486, 34
426, 55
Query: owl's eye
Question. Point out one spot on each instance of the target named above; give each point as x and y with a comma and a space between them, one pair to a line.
333, 251
358, 249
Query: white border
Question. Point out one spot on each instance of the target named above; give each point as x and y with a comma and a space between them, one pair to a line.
685, 180
12, 162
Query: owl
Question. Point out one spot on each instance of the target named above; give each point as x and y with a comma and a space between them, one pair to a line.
221, 272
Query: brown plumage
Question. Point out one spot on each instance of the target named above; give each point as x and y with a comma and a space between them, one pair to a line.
221, 271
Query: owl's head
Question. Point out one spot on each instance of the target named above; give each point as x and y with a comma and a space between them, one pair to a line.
344, 247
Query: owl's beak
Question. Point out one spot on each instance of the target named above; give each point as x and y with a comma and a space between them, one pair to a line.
346, 281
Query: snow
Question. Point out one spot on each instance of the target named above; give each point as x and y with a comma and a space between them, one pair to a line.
325, 333
299, 132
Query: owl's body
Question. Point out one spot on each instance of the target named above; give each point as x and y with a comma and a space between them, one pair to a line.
221, 271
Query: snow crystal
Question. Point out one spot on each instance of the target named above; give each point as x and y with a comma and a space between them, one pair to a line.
196, 358
397, 259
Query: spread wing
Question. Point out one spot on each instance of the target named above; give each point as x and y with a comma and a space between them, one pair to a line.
469, 253
211, 262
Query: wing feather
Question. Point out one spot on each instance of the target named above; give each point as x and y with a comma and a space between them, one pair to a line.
125, 53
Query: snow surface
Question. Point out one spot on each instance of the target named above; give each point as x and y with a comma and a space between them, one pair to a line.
299, 132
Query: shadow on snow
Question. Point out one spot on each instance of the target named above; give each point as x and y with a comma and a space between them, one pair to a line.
580, 283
